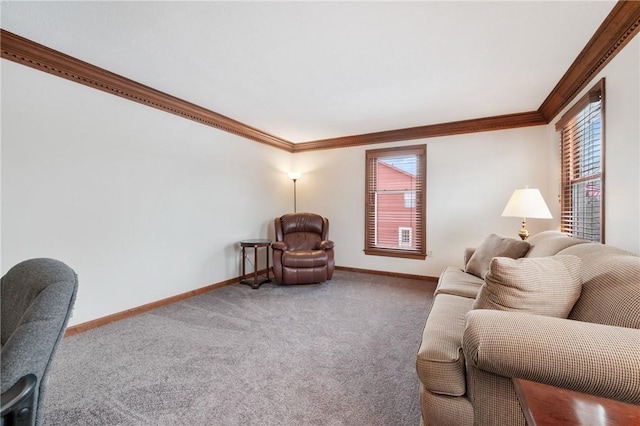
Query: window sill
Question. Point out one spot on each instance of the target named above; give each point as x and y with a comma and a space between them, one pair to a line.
395, 253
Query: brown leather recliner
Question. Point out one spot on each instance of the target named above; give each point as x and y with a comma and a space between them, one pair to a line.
302, 252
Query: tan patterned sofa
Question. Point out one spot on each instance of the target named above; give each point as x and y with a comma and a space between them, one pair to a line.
468, 356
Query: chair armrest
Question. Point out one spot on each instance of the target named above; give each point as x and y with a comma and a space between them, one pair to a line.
280, 245
17, 401
590, 358
324, 245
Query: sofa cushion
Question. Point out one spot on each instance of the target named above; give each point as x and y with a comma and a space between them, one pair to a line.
611, 286
457, 282
544, 285
494, 246
440, 362
468, 252
549, 243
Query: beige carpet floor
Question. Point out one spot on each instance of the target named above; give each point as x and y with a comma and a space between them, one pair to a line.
337, 353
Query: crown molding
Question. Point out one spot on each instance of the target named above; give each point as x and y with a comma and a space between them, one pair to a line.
499, 122
26, 52
618, 28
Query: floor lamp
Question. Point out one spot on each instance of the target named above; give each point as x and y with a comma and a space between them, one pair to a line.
294, 176
526, 203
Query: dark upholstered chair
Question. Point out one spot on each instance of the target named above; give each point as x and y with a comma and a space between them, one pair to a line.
37, 298
302, 252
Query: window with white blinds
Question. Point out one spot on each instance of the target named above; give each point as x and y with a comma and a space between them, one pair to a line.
582, 167
395, 206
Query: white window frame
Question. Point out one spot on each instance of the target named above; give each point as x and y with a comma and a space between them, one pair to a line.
401, 232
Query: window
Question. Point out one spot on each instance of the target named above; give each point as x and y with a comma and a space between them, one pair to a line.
404, 237
582, 167
395, 209
409, 199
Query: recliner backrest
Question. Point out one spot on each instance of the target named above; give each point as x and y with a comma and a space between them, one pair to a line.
302, 231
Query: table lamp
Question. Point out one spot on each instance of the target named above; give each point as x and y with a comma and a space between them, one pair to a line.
526, 203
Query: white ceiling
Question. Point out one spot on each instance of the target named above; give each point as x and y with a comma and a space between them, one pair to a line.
314, 70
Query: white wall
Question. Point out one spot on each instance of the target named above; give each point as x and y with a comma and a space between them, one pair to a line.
146, 205
622, 147
143, 204
470, 178
469, 181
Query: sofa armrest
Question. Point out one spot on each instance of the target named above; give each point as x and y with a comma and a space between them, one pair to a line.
324, 245
279, 245
590, 358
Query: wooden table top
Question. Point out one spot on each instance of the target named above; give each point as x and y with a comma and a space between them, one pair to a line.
255, 243
544, 405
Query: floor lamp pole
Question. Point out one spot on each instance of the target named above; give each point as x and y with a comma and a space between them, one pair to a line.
294, 177
294, 195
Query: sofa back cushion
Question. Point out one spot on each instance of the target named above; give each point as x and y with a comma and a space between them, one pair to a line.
549, 243
543, 286
610, 286
494, 246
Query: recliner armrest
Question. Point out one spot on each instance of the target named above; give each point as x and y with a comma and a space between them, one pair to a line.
17, 402
280, 245
324, 245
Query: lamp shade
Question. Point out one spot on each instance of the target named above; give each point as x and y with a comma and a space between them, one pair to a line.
527, 203
294, 175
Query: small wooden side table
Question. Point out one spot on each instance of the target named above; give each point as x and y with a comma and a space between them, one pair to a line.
545, 405
256, 281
